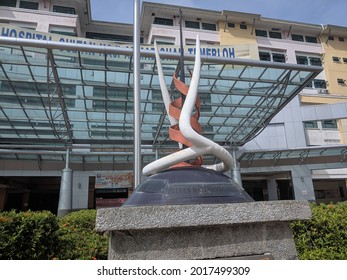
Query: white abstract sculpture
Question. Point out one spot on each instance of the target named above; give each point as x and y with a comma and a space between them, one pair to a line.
200, 145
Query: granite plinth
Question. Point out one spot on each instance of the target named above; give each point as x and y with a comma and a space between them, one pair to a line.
202, 231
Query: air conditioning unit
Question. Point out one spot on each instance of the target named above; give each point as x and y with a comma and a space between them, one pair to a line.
323, 91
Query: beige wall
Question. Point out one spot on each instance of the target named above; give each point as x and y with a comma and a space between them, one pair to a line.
232, 36
335, 70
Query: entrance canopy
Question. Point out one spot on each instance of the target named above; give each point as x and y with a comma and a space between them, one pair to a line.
55, 95
311, 155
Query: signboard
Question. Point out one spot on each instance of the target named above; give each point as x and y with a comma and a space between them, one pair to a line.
249, 51
109, 202
113, 180
110, 197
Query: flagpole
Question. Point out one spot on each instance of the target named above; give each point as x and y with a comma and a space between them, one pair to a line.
182, 75
137, 96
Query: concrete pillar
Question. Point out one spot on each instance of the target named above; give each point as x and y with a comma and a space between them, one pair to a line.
302, 183
272, 189
80, 190
65, 195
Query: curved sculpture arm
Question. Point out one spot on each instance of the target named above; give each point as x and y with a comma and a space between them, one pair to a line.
164, 91
185, 126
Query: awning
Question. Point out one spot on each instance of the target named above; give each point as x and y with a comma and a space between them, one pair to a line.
299, 156
60, 94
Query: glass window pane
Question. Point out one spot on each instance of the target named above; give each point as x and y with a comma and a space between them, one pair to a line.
311, 39
276, 35
296, 37
64, 10
192, 24
67, 33
110, 37
319, 83
208, 26
8, 3
329, 124
316, 61
264, 56
231, 25
29, 5
260, 33
278, 57
163, 21
302, 60
312, 124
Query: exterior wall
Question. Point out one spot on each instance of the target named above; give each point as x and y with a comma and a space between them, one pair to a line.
172, 34
236, 35
319, 136
335, 70
285, 130
41, 20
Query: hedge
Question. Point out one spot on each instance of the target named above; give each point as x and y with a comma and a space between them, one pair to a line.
78, 238
41, 235
28, 235
324, 237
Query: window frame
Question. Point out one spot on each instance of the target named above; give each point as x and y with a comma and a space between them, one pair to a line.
34, 7
208, 26
311, 125
329, 124
271, 55
61, 8
9, 3
162, 21
319, 84
298, 38
231, 25
243, 26
311, 39
261, 33
275, 35
197, 23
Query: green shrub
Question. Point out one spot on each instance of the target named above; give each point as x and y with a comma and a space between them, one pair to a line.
78, 238
28, 235
43, 236
324, 237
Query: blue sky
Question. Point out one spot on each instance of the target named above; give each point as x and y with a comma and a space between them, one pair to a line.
332, 12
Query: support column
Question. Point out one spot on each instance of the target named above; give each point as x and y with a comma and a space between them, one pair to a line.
272, 189
65, 195
302, 183
236, 171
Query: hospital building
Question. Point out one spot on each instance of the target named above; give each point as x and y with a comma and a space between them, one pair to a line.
273, 93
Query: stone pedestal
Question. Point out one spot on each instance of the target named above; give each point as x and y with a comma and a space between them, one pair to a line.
203, 231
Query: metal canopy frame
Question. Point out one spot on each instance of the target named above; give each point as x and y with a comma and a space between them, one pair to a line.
62, 94
299, 156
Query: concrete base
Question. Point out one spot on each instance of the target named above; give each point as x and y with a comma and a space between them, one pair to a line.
205, 231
